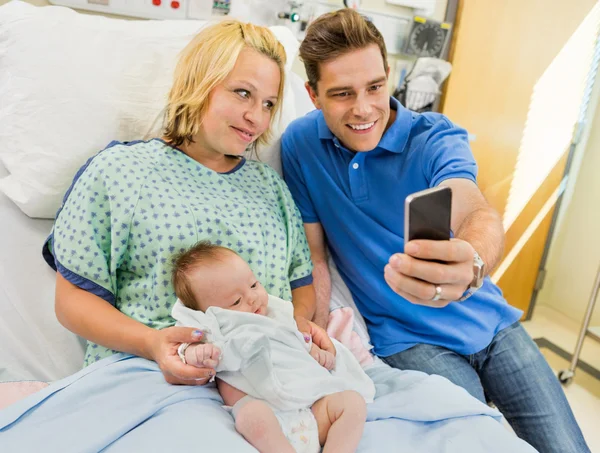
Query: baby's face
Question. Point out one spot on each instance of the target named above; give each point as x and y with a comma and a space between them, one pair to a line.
229, 283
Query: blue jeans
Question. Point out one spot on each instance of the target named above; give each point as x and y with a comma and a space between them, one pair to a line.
512, 373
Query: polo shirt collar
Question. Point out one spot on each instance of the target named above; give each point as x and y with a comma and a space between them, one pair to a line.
393, 140
324, 131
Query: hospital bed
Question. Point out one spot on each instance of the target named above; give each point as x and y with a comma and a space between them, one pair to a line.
412, 411
33, 345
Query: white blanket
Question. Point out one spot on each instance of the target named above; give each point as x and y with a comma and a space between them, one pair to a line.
266, 356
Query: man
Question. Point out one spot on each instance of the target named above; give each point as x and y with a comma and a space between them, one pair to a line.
350, 164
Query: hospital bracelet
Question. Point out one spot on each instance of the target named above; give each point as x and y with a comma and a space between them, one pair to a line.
181, 351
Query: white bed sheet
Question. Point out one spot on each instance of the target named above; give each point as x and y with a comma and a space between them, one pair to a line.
33, 345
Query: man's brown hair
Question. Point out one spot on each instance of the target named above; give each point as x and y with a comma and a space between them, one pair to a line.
200, 254
334, 34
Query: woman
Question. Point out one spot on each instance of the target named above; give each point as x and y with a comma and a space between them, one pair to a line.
132, 206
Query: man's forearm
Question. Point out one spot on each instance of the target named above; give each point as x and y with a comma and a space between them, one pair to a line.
322, 284
483, 229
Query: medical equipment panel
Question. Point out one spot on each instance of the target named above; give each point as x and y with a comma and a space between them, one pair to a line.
427, 38
152, 9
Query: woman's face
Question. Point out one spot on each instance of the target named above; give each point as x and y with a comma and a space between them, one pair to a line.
240, 108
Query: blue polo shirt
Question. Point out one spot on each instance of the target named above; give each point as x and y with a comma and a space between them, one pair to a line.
359, 200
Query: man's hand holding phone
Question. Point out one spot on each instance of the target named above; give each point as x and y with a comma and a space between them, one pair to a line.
414, 276
434, 269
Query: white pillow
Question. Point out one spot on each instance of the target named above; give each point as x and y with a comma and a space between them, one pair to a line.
70, 83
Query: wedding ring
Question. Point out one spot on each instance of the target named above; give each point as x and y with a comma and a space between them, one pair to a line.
438, 294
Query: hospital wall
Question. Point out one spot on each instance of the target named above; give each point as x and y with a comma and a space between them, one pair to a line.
374, 5
574, 255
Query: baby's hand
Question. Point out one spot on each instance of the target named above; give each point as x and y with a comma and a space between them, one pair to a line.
325, 358
203, 355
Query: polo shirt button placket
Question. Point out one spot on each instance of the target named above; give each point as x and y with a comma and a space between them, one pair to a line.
358, 184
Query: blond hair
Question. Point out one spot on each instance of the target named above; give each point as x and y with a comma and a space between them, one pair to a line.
204, 63
334, 34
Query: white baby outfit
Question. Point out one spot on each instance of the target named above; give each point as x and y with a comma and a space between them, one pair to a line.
266, 358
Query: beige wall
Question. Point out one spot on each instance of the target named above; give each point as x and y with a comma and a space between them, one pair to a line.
574, 255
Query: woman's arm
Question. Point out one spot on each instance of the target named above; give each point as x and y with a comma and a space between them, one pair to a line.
96, 320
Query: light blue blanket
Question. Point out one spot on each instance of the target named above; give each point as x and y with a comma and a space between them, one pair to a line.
123, 404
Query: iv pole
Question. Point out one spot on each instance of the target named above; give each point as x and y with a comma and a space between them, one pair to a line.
566, 376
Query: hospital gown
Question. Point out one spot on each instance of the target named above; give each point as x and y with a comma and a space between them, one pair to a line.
133, 206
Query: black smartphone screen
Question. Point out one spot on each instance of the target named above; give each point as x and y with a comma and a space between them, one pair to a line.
428, 214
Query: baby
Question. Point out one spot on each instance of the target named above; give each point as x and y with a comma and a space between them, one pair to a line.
282, 399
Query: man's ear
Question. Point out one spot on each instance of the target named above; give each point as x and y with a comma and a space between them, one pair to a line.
313, 96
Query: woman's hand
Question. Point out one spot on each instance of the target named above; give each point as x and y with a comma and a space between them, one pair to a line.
319, 337
163, 350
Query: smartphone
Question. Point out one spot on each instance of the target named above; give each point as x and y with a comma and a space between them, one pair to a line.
427, 214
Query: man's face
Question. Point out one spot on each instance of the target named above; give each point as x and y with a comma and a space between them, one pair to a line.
352, 93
